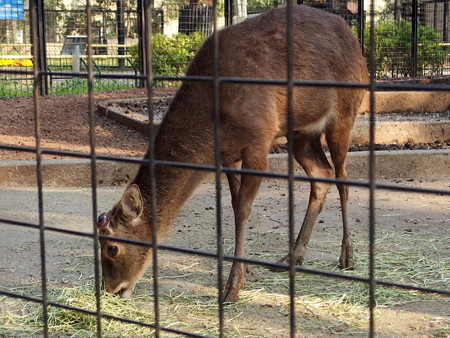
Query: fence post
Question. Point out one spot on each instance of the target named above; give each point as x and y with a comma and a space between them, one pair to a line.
445, 25
120, 24
361, 23
228, 12
76, 59
414, 37
41, 44
142, 42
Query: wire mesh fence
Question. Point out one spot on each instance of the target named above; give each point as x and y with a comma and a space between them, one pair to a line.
150, 316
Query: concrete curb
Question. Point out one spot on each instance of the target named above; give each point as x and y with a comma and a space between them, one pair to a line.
400, 132
76, 173
116, 114
403, 101
389, 164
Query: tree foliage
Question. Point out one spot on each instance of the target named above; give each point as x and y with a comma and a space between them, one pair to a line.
393, 49
171, 55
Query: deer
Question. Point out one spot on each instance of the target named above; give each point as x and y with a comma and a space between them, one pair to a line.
252, 115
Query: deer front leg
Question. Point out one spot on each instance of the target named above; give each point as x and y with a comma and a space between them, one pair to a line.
236, 279
309, 154
243, 192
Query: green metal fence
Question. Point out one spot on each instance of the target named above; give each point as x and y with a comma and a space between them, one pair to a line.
411, 39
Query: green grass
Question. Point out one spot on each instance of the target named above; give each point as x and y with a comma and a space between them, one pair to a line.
78, 86
10, 88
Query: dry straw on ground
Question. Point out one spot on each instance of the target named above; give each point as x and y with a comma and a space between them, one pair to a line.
324, 306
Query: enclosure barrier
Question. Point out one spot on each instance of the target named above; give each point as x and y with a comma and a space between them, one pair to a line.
371, 185
412, 38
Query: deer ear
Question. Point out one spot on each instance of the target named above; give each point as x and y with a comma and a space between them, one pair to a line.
132, 202
102, 221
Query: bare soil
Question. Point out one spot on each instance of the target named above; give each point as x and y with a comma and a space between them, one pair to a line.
64, 124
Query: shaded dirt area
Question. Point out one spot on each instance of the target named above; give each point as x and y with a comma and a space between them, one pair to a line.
137, 109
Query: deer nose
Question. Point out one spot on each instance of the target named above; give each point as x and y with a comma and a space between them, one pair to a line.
124, 290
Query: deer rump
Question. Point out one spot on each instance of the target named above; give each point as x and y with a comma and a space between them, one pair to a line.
251, 116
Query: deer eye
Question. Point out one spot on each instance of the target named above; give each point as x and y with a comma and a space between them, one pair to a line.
112, 250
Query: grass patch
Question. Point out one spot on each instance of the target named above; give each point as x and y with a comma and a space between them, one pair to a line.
15, 88
12, 88
398, 259
79, 86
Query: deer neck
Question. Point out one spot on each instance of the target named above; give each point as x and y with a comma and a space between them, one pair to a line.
181, 138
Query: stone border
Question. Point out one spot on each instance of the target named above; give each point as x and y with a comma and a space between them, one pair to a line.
103, 108
401, 101
76, 173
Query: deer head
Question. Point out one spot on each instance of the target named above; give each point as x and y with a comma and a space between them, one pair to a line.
124, 264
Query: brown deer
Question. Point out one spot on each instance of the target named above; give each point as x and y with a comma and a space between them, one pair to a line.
252, 116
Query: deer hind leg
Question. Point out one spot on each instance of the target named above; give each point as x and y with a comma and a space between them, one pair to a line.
234, 182
338, 137
309, 153
243, 191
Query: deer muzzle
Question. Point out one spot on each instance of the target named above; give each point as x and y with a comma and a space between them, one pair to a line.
124, 290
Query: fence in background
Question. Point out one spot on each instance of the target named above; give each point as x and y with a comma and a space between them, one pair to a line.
412, 39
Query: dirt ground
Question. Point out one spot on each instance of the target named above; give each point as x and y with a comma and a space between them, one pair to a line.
65, 125
412, 240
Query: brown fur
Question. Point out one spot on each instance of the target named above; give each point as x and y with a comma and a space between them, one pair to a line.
252, 115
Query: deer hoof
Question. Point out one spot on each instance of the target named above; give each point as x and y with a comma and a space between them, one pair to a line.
346, 260
284, 260
231, 292
230, 296
235, 283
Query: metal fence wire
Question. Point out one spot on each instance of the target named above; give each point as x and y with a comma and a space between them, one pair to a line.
156, 324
